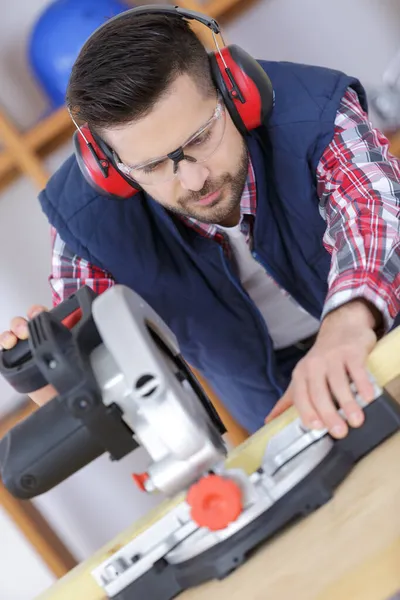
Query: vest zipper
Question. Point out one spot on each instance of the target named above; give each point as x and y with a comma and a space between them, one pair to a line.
256, 312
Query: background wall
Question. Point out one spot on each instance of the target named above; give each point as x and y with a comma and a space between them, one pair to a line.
359, 37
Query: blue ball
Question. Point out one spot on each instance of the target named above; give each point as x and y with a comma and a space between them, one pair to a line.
57, 37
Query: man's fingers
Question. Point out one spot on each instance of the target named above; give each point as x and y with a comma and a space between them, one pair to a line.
283, 404
323, 404
359, 376
19, 327
8, 340
35, 310
303, 401
339, 384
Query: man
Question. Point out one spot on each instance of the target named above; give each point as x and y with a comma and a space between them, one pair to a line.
276, 268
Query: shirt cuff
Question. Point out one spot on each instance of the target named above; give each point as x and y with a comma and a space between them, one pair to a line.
367, 286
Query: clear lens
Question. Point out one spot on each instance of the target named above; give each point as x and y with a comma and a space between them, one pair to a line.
200, 148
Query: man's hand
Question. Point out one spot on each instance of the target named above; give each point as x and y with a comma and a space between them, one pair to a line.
345, 339
19, 331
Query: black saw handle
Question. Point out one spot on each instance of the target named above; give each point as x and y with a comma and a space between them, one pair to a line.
44, 449
17, 365
76, 426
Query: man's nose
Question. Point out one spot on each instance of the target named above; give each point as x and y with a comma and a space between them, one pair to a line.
192, 176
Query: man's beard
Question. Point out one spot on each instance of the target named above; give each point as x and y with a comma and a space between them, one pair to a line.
231, 186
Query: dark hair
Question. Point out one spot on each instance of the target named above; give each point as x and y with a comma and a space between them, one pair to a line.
125, 67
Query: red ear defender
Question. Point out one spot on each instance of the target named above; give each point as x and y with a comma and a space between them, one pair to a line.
245, 87
97, 167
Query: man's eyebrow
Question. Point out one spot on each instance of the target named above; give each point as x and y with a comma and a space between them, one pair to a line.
165, 156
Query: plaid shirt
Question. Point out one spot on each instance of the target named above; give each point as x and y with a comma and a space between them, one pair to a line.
358, 185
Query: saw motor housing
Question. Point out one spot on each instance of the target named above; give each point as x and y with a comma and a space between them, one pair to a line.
121, 382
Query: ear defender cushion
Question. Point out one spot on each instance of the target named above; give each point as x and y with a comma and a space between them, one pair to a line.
253, 85
114, 184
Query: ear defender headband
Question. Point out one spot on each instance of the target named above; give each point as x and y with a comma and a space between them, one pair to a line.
244, 86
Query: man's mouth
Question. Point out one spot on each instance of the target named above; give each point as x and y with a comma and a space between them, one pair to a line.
209, 199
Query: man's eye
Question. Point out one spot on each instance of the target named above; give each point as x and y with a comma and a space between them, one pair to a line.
201, 139
151, 168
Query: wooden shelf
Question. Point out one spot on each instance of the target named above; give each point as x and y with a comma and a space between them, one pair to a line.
23, 152
394, 139
217, 8
21, 412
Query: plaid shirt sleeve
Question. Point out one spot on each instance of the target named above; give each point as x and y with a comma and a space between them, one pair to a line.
70, 272
358, 183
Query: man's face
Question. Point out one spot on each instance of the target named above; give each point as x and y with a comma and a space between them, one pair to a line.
208, 189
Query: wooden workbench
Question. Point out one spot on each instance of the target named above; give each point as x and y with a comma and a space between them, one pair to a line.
348, 550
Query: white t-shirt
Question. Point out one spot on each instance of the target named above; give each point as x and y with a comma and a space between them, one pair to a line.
287, 322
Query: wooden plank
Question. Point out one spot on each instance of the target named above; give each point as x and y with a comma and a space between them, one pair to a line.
43, 138
218, 8
233, 10
18, 414
26, 160
203, 33
394, 140
6, 163
9, 176
48, 129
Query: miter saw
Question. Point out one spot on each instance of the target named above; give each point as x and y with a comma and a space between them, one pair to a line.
122, 382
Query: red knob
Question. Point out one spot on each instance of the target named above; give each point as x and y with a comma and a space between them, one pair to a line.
140, 480
215, 502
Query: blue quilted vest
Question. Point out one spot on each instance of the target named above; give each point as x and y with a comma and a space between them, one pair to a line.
187, 279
